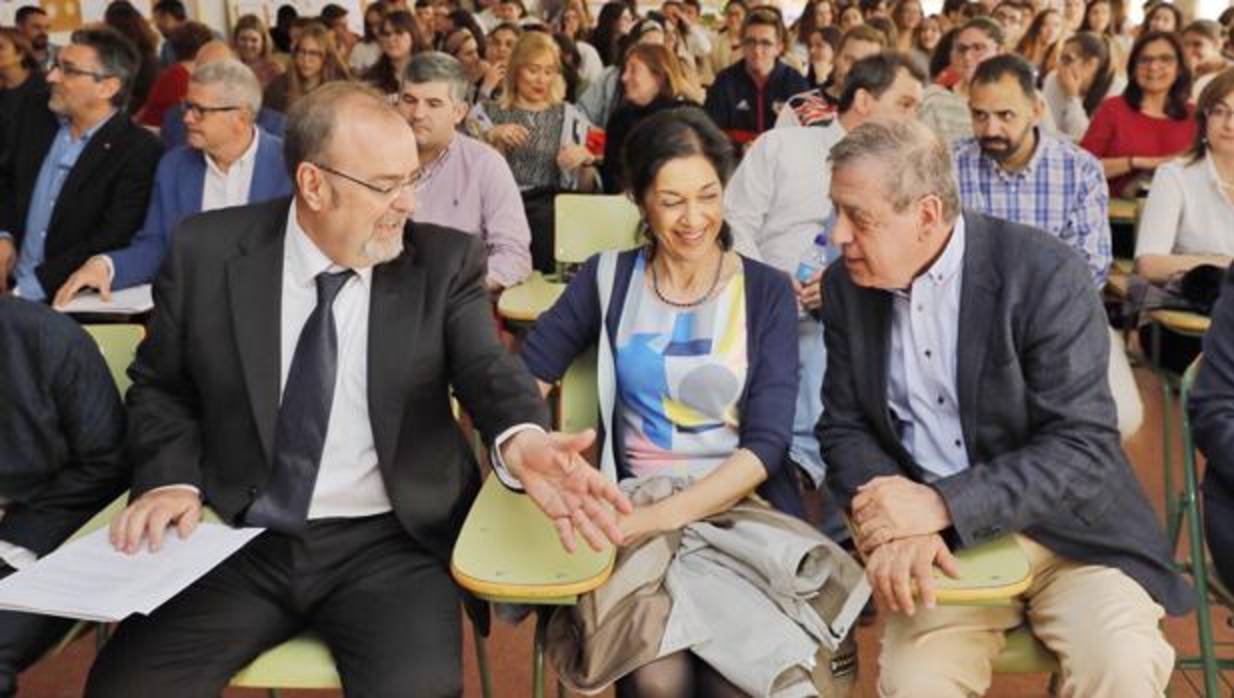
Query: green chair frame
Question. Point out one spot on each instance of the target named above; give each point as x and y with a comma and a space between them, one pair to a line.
118, 343
508, 552
1207, 588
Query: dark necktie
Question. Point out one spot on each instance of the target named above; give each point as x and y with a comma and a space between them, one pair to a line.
303, 417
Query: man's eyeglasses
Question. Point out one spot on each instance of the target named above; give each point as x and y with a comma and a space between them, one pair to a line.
199, 111
766, 44
415, 181
70, 70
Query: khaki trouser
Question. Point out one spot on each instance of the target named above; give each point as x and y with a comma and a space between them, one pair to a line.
1102, 625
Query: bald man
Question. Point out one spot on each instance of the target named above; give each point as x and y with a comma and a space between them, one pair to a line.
297, 377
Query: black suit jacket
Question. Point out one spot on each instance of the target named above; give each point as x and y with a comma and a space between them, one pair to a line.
61, 427
1036, 414
205, 395
103, 201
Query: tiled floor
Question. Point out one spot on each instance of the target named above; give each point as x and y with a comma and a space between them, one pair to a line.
510, 648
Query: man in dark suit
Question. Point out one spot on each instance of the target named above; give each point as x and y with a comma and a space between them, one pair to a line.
61, 437
965, 399
80, 175
362, 322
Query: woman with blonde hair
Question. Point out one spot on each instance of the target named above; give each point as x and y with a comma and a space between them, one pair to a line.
314, 62
253, 46
542, 136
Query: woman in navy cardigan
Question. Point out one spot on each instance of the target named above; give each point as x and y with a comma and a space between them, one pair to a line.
703, 341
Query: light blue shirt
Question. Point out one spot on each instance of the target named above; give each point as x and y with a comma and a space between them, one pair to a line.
921, 390
59, 161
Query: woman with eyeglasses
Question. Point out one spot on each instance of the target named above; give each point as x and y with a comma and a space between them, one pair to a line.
1151, 123
400, 37
1188, 219
1085, 76
365, 54
746, 96
314, 62
542, 137
254, 48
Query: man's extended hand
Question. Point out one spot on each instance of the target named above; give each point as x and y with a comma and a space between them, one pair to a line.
8, 260
894, 568
577, 497
892, 507
151, 514
93, 274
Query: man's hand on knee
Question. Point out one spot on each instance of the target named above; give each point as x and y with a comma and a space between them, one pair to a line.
149, 517
904, 568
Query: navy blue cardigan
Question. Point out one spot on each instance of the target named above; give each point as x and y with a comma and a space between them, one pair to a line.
768, 399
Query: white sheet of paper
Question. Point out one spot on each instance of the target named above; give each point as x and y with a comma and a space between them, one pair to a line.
130, 301
90, 580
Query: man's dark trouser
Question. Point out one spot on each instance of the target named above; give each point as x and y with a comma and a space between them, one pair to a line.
24, 638
386, 608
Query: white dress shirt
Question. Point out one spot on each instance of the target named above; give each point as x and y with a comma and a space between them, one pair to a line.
220, 189
921, 386
349, 483
231, 188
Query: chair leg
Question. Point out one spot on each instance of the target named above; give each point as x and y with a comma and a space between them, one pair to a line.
1199, 561
486, 679
537, 657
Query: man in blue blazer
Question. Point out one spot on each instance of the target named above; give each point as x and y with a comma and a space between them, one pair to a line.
228, 161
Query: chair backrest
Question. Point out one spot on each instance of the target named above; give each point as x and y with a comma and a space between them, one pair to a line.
119, 345
578, 399
591, 223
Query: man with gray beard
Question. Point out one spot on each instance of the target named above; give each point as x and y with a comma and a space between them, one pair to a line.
297, 378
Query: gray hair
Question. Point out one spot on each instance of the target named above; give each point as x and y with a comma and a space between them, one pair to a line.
917, 162
435, 66
237, 80
312, 119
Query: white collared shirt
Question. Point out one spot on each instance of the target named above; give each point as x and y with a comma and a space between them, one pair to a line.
231, 188
349, 483
922, 377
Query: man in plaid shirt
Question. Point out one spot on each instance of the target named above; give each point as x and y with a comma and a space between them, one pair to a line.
1013, 169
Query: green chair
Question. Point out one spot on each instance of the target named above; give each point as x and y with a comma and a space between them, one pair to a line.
508, 551
584, 225
589, 223
1207, 589
119, 345
1191, 325
992, 574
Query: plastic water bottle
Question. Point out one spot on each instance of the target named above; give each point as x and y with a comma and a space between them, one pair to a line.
814, 260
